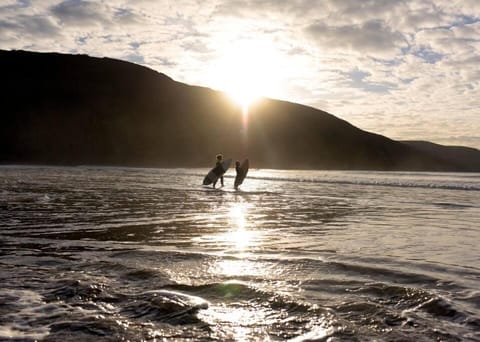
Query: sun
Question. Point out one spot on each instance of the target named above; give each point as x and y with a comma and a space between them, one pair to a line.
246, 71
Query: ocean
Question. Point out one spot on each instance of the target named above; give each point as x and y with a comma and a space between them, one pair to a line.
110, 254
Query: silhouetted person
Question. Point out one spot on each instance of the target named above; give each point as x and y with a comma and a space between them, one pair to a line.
239, 172
242, 170
219, 162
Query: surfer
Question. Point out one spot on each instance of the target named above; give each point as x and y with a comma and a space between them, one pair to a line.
242, 170
239, 172
219, 162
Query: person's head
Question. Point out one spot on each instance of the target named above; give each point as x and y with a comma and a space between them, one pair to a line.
219, 157
237, 163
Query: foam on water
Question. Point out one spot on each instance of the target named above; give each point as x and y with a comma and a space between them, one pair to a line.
19, 312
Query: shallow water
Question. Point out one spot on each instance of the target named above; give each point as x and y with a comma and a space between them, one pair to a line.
121, 253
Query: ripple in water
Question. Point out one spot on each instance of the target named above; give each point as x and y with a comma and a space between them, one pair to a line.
130, 254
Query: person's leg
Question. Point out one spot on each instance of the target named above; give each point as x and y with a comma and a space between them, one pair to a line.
221, 179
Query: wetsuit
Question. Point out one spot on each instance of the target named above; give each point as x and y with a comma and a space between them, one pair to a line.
219, 162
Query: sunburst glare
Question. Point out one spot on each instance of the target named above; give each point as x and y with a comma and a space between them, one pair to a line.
246, 70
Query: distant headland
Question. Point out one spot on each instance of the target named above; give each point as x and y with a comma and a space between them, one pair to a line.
75, 109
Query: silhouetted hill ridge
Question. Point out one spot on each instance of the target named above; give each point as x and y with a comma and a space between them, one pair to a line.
467, 157
76, 109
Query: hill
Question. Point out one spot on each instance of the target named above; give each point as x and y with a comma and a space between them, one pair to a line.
467, 158
76, 109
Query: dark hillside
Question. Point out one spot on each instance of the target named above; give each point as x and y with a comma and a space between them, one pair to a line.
466, 158
75, 109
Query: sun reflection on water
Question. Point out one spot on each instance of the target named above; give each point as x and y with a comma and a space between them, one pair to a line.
240, 237
238, 242
234, 317
237, 268
249, 289
239, 323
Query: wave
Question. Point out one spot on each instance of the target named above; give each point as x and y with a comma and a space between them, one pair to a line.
16, 312
165, 306
426, 180
373, 182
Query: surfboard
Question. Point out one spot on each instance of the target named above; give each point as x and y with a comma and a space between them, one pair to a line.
217, 172
242, 173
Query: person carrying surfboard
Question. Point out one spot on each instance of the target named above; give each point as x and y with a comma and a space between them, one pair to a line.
239, 172
219, 162
242, 170
218, 171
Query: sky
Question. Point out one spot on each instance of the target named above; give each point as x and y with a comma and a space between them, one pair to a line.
407, 69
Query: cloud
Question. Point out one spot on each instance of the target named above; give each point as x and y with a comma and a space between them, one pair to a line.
372, 37
23, 27
269, 9
81, 13
468, 32
125, 16
366, 10
7, 4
